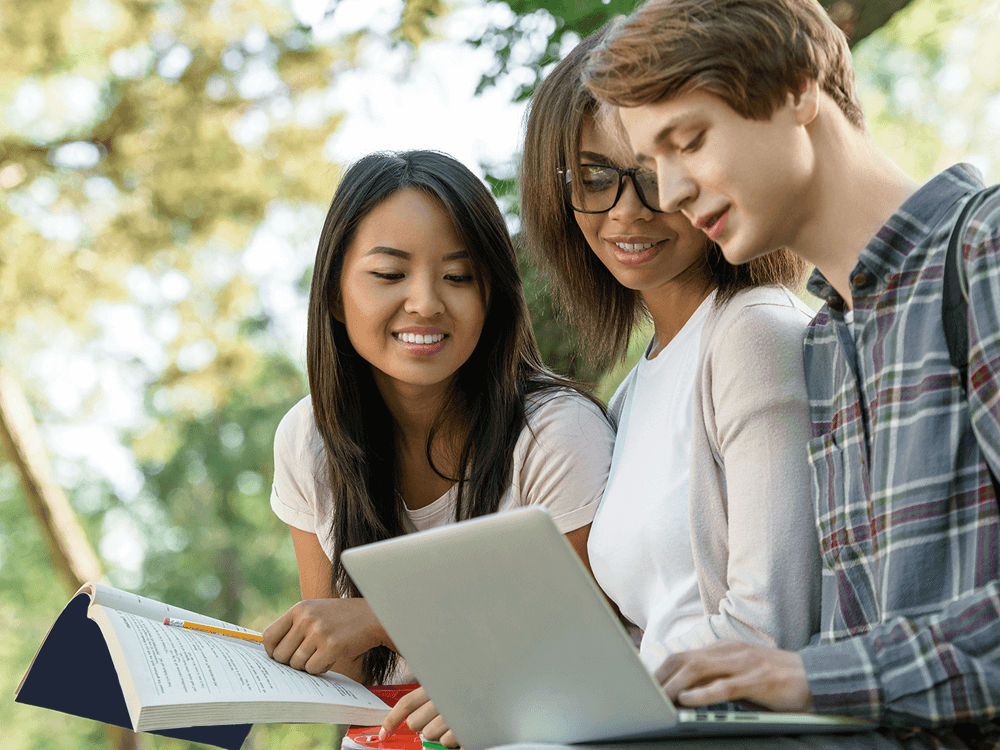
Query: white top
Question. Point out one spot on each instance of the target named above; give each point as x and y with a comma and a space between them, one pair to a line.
561, 461
752, 534
849, 319
649, 477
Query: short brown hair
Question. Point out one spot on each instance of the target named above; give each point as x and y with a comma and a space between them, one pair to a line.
599, 308
749, 53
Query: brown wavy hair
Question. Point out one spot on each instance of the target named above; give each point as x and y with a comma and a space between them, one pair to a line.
601, 311
749, 53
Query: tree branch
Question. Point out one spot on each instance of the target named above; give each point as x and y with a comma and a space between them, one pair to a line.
860, 18
73, 559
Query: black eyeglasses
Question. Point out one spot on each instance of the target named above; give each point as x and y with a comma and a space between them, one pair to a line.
599, 186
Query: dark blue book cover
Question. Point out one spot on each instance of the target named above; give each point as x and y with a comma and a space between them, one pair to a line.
73, 673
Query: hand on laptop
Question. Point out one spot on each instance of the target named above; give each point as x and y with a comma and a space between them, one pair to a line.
732, 670
321, 634
421, 716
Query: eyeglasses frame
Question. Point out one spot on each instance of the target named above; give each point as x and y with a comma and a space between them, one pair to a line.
623, 172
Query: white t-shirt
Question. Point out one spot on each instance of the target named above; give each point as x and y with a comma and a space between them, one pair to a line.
651, 576
849, 319
561, 462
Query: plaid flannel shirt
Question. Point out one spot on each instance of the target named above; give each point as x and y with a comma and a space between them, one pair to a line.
905, 508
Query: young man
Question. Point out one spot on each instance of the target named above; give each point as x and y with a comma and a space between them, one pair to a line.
748, 113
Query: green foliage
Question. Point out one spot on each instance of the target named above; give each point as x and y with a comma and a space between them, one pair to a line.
207, 503
171, 154
923, 28
928, 84
556, 342
540, 35
541, 32
30, 599
414, 24
555, 337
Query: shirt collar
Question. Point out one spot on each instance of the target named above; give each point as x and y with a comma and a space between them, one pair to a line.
912, 224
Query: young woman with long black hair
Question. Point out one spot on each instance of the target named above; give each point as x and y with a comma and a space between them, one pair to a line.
429, 402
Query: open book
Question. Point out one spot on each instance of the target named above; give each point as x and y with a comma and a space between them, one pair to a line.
110, 658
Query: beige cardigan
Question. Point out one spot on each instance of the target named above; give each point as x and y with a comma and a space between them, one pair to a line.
752, 519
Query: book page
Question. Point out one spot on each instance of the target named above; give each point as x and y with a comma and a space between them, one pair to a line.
123, 601
177, 666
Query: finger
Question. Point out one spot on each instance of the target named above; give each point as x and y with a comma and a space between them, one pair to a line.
704, 666
411, 701
717, 691
275, 632
403, 708
675, 672
287, 646
435, 728
419, 717
668, 668
318, 663
301, 656
449, 739
675, 684
692, 674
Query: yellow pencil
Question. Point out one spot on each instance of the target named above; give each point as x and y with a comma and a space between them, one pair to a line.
212, 629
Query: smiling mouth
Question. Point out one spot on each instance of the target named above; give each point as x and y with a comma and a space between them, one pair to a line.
633, 247
713, 225
417, 338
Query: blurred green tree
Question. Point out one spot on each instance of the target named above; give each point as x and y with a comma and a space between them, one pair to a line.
930, 84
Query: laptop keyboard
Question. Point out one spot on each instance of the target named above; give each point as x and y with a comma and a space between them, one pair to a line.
721, 712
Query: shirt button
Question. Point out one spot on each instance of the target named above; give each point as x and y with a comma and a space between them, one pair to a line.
859, 279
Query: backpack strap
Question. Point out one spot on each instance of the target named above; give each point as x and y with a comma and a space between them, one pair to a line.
955, 300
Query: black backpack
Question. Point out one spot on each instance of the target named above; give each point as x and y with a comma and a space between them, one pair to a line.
955, 304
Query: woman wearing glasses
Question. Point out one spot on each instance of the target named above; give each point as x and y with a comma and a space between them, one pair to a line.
706, 529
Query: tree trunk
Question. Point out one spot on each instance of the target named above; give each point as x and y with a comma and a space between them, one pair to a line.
73, 559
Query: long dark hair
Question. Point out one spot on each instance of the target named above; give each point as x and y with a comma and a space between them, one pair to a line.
488, 393
602, 311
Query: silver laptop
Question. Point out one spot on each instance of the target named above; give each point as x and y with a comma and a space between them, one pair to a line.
514, 642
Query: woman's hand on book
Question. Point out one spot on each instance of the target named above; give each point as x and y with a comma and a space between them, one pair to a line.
323, 634
420, 715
